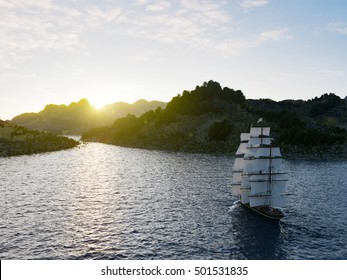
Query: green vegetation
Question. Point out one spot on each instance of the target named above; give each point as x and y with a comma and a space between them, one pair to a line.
313, 128
324, 103
209, 98
16, 140
210, 119
220, 130
207, 119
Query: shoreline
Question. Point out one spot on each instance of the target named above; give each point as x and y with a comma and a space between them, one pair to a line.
294, 153
9, 148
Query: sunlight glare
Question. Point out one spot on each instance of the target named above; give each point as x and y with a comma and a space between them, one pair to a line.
100, 101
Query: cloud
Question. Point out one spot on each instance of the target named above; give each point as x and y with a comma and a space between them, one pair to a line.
238, 45
142, 2
330, 73
254, 3
339, 27
17, 75
196, 23
42, 91
19, 4
188, 23
29, 25
275, 35
105, 15
212, 11
159, 6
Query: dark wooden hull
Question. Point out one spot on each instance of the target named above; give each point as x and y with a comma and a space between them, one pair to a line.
270, 213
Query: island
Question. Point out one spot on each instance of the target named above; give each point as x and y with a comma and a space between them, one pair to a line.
16, 140
210, 118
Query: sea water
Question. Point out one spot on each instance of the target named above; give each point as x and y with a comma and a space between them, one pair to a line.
101, 201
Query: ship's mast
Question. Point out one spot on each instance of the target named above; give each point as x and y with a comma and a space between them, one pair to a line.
270, 177
268, 191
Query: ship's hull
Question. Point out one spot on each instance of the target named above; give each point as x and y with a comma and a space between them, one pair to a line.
266, 211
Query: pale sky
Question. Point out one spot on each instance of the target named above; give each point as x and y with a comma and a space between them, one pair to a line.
115, 50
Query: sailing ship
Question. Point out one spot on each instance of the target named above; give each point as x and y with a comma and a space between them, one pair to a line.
258, 178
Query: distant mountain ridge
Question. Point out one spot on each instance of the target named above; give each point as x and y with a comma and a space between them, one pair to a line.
121, 109
73, 119
81, 116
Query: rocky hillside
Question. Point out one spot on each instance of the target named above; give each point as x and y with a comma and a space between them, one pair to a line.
16, 140
210, 119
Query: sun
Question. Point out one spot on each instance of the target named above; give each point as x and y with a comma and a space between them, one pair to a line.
100, 101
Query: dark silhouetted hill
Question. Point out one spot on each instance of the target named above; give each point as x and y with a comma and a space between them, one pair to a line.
210, 119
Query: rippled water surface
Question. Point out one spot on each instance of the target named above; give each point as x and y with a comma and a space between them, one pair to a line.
106, 202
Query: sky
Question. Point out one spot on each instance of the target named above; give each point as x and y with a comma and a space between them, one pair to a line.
58, 52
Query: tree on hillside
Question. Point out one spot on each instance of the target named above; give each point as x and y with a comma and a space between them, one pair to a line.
204, 99
324, 103
220, 130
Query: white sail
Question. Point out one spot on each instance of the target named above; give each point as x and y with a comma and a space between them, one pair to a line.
236, 190
245, 184
260, 188
263, 186
267, 177
244, 137
273, 201
237, 176
276, 165
236, 185
278, 187
244, 196
242, 149
250, 152
278, 201
238, 165
267, 166
258, 201
275, 152
257, 131
267, 193
268, 152
258, 141
260, 166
